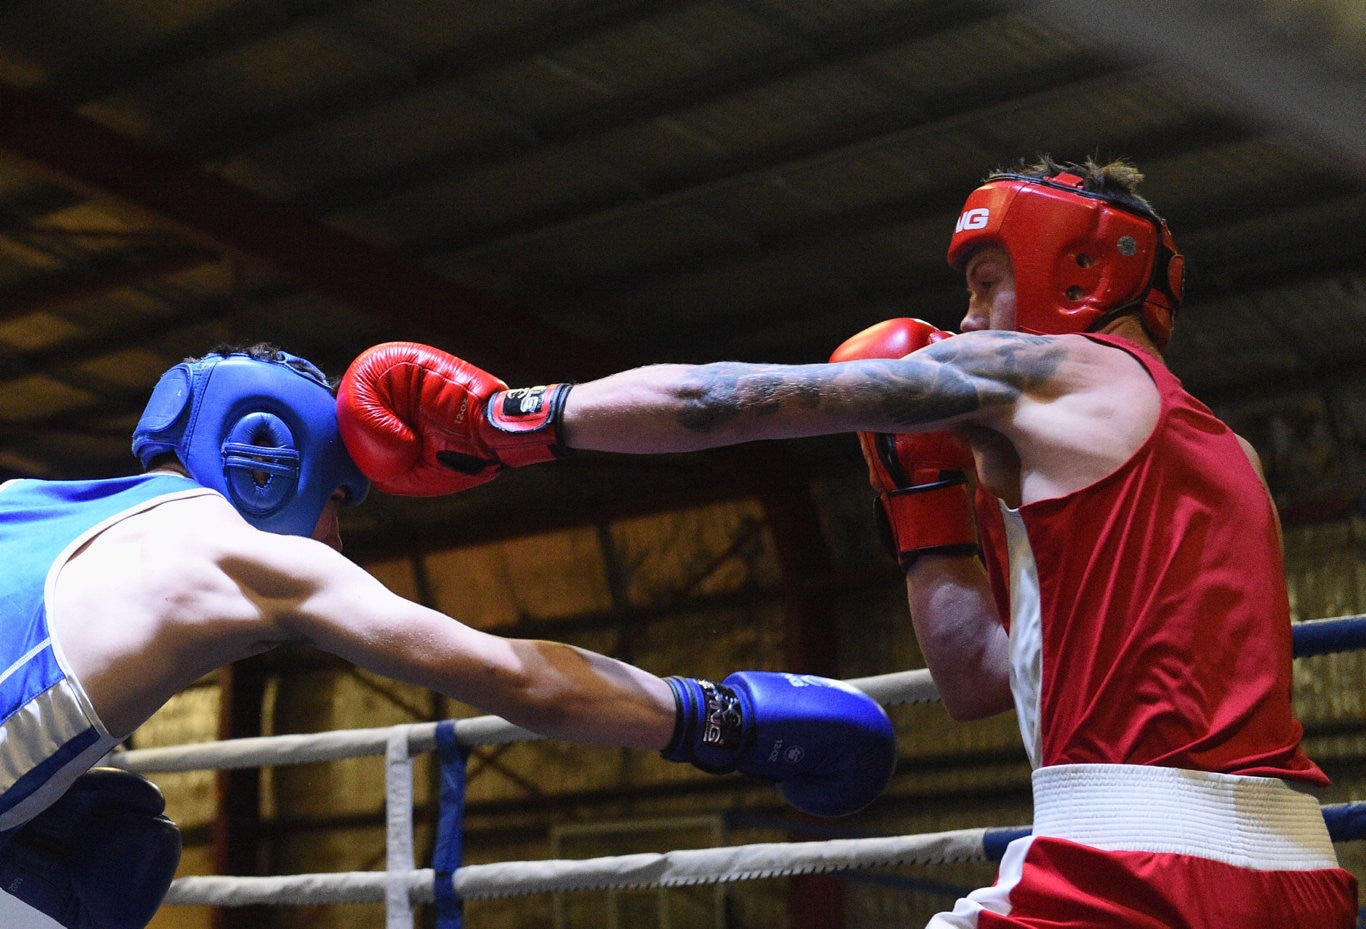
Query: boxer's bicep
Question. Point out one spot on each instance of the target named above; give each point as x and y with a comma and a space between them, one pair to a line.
330, 603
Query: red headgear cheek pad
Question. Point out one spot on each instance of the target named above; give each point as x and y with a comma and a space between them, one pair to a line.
1077, 257
1163, 300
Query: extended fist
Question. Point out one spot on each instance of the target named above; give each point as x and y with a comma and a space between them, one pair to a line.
421, 422
829, 747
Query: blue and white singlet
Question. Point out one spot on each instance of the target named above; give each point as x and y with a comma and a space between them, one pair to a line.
49, 732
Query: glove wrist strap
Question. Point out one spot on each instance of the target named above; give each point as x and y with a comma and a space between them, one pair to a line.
709, 727
523, 424
929, 518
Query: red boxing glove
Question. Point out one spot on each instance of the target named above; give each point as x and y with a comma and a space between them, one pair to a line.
920, 477
420, 422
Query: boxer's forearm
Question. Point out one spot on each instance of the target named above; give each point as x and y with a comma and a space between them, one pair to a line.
683, 408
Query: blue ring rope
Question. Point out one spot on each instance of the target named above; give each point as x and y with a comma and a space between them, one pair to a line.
1327, 636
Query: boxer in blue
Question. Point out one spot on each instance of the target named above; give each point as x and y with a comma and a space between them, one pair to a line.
119, 593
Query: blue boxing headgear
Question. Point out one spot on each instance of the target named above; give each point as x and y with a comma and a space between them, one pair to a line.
260, 431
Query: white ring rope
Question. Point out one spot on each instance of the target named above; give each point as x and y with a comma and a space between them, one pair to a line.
400, 883
269, 751
272, 750
679, 868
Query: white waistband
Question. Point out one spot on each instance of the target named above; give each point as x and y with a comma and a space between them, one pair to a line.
1251, 822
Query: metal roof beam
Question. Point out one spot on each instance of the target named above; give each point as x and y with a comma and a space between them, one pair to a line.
211, 210
1275, 78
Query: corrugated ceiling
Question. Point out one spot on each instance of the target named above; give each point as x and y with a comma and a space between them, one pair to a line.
559, 189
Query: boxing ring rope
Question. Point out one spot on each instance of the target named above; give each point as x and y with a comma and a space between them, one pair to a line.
403, 886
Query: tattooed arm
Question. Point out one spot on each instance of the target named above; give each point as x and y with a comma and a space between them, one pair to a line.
1003, 390
975, 382
680, 408
1044, 415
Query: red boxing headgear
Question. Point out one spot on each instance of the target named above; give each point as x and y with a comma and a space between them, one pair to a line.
1080, 259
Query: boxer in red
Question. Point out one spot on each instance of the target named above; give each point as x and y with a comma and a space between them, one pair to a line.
1083, 541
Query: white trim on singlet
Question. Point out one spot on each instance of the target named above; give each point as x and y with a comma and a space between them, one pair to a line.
1026, 634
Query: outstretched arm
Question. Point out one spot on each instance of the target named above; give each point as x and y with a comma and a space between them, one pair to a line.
172, 594
841, 743
680, 408
970, 379
550, 688
422, 422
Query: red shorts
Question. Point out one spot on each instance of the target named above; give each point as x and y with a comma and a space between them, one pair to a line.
1048, 883
1125, 847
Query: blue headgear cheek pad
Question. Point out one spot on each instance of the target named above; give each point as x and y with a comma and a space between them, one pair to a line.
262, 433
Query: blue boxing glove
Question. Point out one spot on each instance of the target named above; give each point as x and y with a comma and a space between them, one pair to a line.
101, 857
829, 746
